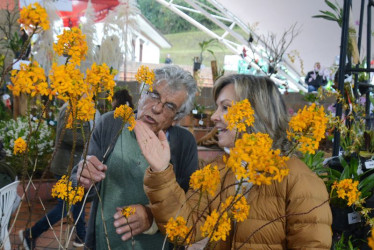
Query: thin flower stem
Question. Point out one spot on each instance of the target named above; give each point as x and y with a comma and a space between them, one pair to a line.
68, 227
93, 185
49, 223
61, 222
112, 143
199, 217
164, 243
207, 207
37, 189
197, 205
132, 236
102, 217
74, 130
280, 217
25, 164
22, 53
107, 151
30, 182
227, 209
67, 60
292, 149
100, 202
80, 213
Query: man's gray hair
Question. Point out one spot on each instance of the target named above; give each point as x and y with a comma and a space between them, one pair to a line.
178, 79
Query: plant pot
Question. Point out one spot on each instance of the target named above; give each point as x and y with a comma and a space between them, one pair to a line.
44, 192
200, 116
363, 165
340, 218
196, 66
357, 231
335, 164
187, 121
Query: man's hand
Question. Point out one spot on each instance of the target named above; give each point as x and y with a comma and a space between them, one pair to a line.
93, 171
155, 149
139, 222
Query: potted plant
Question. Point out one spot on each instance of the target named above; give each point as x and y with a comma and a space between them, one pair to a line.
41, 143
205, 46
350, 184
367, 150
350, 213
199, 114
335, 14
349, 188
199, 111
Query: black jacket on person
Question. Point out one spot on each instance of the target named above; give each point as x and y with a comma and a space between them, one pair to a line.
315, 79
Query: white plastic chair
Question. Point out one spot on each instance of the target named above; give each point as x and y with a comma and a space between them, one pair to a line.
8, 195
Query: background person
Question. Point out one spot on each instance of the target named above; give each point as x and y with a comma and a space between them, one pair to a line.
118, 173
59, 167
122, 97
23, 38
315, 78
168, 59
299, 192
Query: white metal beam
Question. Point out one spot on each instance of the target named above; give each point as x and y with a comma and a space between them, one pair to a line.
236, 42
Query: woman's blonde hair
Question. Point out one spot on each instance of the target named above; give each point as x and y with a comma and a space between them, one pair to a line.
270, 109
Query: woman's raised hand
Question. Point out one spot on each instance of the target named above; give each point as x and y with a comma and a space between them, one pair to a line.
155, 149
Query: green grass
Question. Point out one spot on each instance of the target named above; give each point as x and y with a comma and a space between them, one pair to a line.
185, 46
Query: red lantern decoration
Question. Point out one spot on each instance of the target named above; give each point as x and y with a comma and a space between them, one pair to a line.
102, 8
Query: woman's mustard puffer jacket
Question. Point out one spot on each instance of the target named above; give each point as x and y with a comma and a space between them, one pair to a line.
293, 214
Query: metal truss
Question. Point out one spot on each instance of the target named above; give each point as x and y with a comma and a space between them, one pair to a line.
227, 21
347, 68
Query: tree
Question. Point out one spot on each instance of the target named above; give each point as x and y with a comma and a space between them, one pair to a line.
171, 22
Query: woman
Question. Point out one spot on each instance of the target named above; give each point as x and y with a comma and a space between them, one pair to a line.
301, 196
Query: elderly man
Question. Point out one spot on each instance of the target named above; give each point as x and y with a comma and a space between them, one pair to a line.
116, 165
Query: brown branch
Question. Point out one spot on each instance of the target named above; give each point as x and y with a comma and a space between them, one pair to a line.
281, 217
275, 49
208, 206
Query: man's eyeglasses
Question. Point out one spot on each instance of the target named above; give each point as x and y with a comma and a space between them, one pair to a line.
169, 107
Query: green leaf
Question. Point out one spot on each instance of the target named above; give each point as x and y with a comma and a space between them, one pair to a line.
372, 100
350, 245
325, 17
366, 154
353, 166
366, 185
334, 173
210, 51
315, 162
346, 172
330, 14
340, 21
367, 174
332, 6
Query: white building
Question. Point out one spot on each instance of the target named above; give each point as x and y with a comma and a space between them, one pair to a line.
145, 43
